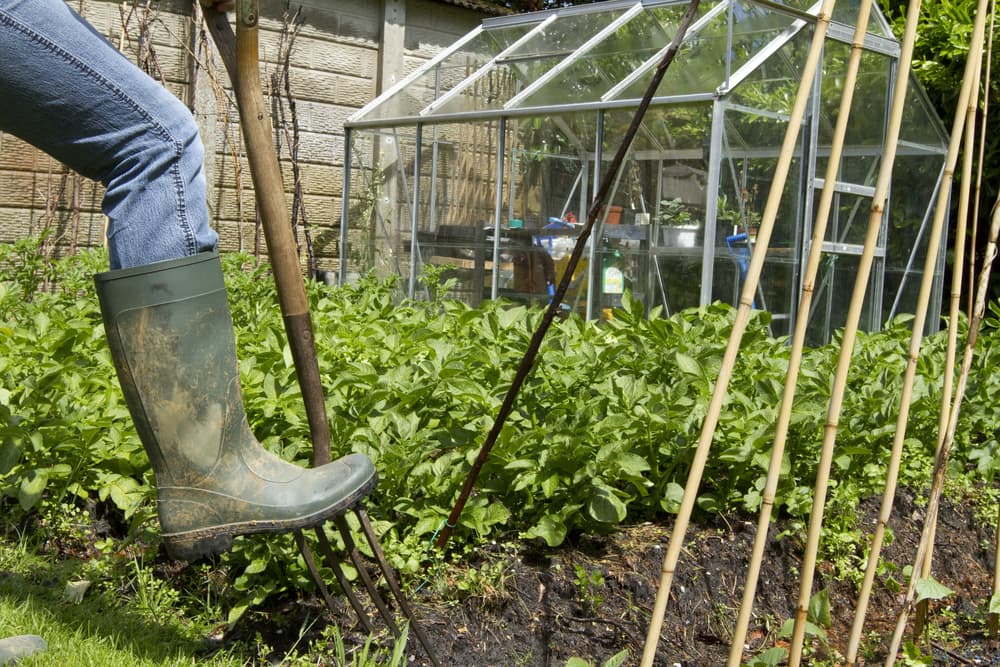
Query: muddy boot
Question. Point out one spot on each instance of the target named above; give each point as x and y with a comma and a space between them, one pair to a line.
13, 649
171, 337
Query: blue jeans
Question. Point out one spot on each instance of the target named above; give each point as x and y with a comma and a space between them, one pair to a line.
68, 92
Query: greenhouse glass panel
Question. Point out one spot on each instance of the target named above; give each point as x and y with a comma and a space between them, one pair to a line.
911, 213
451, 71
532, 58
677, 127
921, 126
708, 58
591, 74
485, 164
869, 106
845, 12
548, 187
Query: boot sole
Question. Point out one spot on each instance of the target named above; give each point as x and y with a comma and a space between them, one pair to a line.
192, 545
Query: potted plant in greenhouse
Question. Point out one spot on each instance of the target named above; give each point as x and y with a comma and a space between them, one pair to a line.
746, 220
679, 229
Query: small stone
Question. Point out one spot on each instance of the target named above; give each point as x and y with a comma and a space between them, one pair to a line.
14, 648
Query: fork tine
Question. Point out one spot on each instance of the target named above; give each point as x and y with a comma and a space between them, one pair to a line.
334, 564
390, 579
355, 556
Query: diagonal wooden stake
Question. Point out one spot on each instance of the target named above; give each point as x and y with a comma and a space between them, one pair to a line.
958, 266
593, 215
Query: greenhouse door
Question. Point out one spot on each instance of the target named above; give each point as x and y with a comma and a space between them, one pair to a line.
843, 246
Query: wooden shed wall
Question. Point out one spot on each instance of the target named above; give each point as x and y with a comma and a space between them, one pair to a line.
336, 64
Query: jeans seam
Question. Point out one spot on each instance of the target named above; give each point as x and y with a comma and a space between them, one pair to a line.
158, 128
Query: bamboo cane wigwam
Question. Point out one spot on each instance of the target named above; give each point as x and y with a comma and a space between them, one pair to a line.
713, 149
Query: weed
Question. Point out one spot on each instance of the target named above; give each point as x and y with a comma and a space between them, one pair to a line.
616, 660
588, 585
368, 655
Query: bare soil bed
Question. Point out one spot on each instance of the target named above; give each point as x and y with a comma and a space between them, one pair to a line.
594, 596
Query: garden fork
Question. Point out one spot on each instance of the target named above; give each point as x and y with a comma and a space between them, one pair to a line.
240, 53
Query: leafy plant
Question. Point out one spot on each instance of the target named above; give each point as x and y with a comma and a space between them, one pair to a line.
602, 434
589, 584
614, 661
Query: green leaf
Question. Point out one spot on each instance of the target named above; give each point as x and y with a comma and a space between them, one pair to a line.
672, 496
125, 493
510, 316
688, 365
812, 630
632, 464
495, 513
914, 656
550, 528
995, 604
605, 506
236, 613
617, 659
930, 589
770, 658
256, 566
10, 454
708, 503
42, 322
819, 608
577, 662
32, 487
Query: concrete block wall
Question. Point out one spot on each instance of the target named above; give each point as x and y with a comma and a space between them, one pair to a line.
338, 62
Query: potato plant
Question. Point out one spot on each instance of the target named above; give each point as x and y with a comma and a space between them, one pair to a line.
602, 434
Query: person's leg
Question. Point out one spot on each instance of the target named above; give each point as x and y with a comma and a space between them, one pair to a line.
73, 95
164, 303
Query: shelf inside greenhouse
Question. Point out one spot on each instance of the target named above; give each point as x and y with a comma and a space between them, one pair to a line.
484, 162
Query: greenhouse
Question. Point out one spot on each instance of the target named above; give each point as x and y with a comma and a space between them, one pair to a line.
482, 163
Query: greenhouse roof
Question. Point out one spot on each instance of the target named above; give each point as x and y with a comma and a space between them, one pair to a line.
603, 56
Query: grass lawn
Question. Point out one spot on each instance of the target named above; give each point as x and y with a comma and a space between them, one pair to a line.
107, 626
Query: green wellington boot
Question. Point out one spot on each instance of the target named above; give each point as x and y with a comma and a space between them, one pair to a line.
171, 337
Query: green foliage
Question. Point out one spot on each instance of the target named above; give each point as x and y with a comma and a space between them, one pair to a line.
914, 657
931, 589
64, 427
602, 434
589, 584
614, 661
369, 655
944, 36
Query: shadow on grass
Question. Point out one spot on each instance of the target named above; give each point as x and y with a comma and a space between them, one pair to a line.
102, 615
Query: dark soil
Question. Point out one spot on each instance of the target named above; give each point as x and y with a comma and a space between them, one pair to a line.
593, 597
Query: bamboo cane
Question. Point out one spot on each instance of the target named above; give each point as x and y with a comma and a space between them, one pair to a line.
993, 619
941, 463
747, 296
910, 371
241, 57
968, 82
798, 339
968, 156
849, 336
987, 81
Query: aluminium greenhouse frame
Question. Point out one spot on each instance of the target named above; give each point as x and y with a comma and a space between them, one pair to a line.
396, 148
